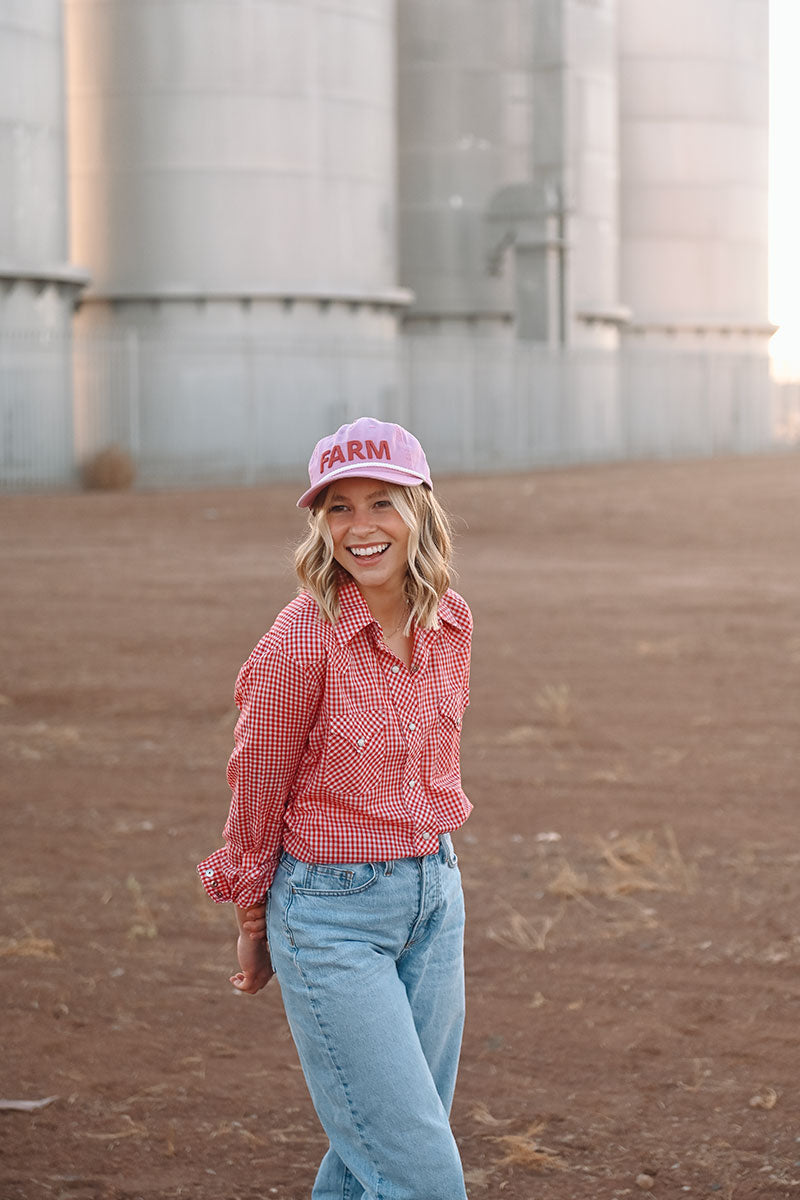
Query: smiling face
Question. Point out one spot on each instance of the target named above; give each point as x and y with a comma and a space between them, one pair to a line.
370, 538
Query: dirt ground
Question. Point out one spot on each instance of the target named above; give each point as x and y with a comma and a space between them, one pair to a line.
632, 867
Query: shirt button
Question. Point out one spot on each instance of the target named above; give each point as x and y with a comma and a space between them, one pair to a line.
361, 743
412, 783
411, 726
395, 669
425, 836
208, 874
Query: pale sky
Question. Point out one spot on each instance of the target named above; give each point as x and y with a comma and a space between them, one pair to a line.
784, 215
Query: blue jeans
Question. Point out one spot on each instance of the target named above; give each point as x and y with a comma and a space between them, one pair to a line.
369, 958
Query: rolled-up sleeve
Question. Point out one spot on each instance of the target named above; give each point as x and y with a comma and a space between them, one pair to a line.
278, 700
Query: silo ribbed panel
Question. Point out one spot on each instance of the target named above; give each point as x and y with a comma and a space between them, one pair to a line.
465, 85
37, 284
234, 147
233, 177
694, 167
33, 179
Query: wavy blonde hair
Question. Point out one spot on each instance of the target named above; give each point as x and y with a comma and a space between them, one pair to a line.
430, 551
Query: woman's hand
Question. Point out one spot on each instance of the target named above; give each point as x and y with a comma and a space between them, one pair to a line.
252, 950
255, 962
254, 922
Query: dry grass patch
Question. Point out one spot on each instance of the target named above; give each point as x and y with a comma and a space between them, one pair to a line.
235, 1129
144, 923
767, 1098
643, 862
521, 735
637, 863
481, 1115
523, 1150
130, 1130
520, 1149
521, 932
606, 885
569, 884
27, 947
556, 705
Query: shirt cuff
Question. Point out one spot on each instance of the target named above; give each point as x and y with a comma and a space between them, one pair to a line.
226, 886
214, 879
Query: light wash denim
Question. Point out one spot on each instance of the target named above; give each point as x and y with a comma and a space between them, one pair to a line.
369, 958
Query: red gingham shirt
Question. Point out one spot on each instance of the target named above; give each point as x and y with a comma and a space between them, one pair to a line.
342, 754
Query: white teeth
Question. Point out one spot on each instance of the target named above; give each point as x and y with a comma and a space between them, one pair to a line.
368, 551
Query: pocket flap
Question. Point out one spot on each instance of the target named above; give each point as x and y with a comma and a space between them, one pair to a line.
358, 728
452, 707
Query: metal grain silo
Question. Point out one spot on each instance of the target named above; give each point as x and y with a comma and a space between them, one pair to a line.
508, 130
694, 142
37, 284
465, 111
233, 183
509, 164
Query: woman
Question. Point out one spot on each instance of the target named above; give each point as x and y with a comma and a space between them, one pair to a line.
346, 785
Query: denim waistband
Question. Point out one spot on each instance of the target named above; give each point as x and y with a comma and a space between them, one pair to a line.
444, 852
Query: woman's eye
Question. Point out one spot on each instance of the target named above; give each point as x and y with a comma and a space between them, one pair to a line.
336, 508
383, 504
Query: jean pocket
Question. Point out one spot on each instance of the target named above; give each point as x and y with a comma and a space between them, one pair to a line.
333, 879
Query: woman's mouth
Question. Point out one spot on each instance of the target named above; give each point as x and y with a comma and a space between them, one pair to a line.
369, 551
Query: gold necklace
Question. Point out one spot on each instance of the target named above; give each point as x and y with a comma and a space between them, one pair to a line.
400, 623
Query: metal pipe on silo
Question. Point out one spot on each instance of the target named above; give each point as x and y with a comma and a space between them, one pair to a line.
508, 165
576, 160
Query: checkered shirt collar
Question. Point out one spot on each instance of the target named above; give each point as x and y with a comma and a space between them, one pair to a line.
354, 614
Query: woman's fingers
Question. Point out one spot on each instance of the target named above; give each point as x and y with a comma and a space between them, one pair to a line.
241, 984
256, 929
252, 984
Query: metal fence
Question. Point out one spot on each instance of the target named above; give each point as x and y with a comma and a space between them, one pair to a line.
239, 410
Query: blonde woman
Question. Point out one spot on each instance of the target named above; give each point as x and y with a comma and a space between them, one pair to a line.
346, 787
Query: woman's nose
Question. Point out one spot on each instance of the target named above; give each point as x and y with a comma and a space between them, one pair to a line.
362, 520
362, 528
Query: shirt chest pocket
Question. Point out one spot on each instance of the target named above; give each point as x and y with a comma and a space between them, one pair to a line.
448, 735
355, 752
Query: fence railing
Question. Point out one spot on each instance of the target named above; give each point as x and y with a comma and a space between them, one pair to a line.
237, 410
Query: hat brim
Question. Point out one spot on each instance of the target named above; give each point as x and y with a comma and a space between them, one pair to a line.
387, 474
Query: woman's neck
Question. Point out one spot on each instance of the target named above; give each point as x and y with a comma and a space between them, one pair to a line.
390, 609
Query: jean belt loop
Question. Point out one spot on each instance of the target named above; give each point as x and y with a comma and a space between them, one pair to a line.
388, 866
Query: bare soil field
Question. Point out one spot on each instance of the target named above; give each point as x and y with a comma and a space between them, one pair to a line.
632, 866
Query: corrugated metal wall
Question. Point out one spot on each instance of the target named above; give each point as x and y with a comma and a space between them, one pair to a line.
249, 411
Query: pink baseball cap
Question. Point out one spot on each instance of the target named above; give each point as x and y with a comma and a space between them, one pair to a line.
366, 449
